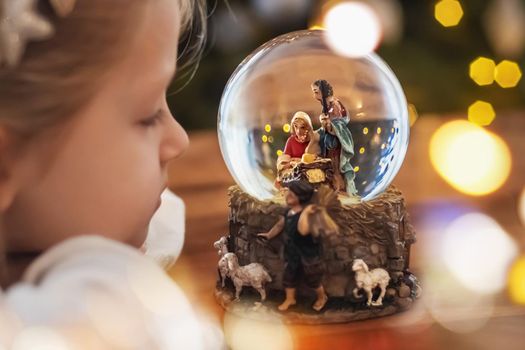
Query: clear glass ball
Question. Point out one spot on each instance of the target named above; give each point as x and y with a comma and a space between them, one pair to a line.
274, 83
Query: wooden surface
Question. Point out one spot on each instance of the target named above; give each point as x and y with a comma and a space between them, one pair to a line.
200, 177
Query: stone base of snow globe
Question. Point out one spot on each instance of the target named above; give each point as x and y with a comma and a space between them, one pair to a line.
376, 232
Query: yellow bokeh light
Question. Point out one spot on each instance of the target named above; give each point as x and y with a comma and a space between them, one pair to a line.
481, 113
279, 153
448, 12
286, 127
270, 139
517, 281
361, 150
316, 27
471, 159
482, 71
247, 333
378, 131
356, 169
353, 28
267, 128
507, 74
264, 138
365, 131
412, 114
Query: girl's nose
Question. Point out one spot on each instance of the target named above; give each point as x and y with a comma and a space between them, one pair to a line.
175, 141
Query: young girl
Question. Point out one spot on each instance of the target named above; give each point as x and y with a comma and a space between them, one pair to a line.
85, 138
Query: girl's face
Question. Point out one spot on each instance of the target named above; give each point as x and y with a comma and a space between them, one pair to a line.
105, 168
301, 130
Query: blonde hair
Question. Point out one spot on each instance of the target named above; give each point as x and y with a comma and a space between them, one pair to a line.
58, 76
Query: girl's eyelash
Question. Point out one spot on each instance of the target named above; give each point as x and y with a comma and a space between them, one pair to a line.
151, 121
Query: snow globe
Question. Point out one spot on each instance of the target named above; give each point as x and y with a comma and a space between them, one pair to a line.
317, 233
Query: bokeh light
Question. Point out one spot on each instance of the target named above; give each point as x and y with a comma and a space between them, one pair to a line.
482, 71
507, 74
454, 307
352, 29
448, 12
316, 27
471, 159
517, 281
247, 334
478, 252
416, 321
481, 113
450, 303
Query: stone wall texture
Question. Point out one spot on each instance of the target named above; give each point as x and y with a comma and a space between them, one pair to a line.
377, 231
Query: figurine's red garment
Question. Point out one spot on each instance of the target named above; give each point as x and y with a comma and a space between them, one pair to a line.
294, 148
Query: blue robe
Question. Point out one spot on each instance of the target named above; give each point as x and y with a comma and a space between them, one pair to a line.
342, 137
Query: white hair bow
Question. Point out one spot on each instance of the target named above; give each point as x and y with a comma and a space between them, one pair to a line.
20, 23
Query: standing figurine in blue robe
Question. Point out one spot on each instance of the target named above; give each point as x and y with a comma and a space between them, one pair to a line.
335, 140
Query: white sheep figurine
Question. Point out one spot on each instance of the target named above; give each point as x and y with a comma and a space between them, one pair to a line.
253, 275
222, 248
368, 280
221, 245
